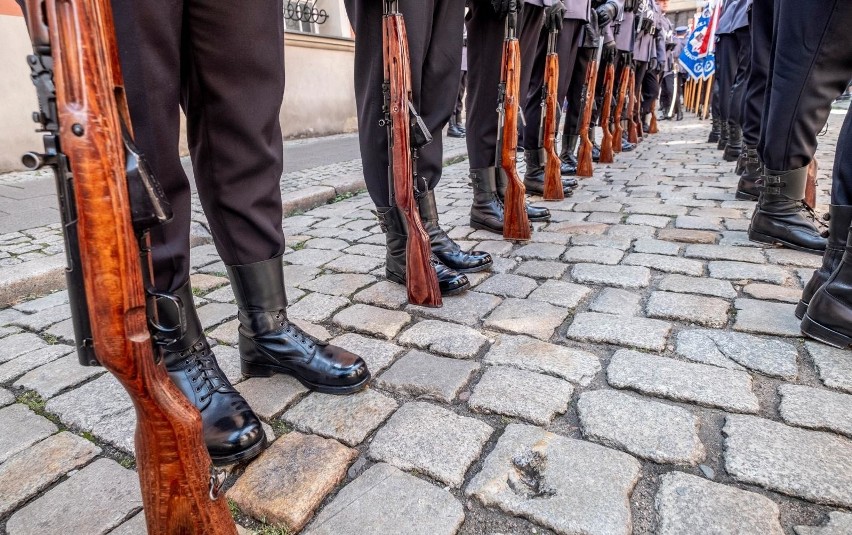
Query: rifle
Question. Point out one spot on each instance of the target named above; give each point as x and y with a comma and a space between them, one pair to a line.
549, 122
516, 223
606, 143
810, 188
623, 83
584, 154
632, 134
654, 128
406, 135
108, 202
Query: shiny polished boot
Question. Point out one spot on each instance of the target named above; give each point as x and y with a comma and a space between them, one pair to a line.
486, 212
735, 143
232, 432
270, 344
395, 227
453, 130
750, 171
715, 130
781, 217
448, 251
569, 161
534, 213
829, 313
839, 221
723, 137
534, 174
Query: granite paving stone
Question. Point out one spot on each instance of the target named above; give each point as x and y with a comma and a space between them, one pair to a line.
617, 301
467, 308
19, 344
426, 376
588, 254
525, 353
287, 483
540, 251
534, 318
838, 524
270, 396
137, 526
811, 465
649, 220
736, 351
652, 246
666, 264
709, 311
620, 276
215, 313
773, 292
342, 284
348, 419
566, 485
106, 492
28, 361
541, 269
372, 320
506, 285
431, 440
687, 236
789, 257
316, 307
353, 263
698, 285
614, 242
709, 386
816, 408
385, 294
521, 394
444, 338
378, 354
631, 231
297, 274
725, 252
6, 397
56, 376
386, 501
620, 330
833, 365
311, 257
690, 505
648, 429
698, 223
21, 429
560, 293
766, 317
723, 269
29, 472
89, 405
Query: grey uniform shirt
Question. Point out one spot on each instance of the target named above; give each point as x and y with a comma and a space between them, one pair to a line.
734, 16
574, 9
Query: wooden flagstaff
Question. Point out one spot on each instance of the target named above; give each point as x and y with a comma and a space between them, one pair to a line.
708, 91
687, 91
696, 99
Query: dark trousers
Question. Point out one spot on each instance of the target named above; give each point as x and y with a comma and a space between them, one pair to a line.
460, 99
650, 91
576, 89
761, 26
641, 69
567, 46
434, 30
804, 80
667, 84
735, 106
224, 65
733, 57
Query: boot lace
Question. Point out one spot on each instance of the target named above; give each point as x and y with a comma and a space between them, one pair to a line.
295, 332
203, 372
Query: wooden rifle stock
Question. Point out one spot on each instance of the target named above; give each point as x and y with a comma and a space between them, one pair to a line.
632, 134
553, 165
811, 188
618, 133
606, 142
421, 279
654, 128
584, 154
516, 224
91, 127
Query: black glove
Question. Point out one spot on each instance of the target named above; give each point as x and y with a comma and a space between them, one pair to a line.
606, 13
503, 7
627, 59
670, 46
608, 52
554, 15
653, 65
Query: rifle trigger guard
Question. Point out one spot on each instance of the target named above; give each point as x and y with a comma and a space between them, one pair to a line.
217, 480
166, 334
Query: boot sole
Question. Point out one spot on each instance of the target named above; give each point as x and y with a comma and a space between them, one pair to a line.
241, 457
251, 369
801, 309
823, 334
763, 238
743, 196
483, 226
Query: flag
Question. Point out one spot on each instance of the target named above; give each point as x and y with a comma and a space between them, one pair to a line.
698, 57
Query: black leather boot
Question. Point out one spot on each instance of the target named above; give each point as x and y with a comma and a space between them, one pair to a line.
534, 213
270, 344
749, 171
781, 217
534, 174
723, 136
486, 212
448, 251
596, 149
829, 313
232, 431
393, 224
626, 145
569, 160
453, 129
735, 143
839, 220
715, 130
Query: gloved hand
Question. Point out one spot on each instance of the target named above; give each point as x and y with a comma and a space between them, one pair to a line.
503, 7
608, 52
606, 13
627, 59
654, 65
554, 15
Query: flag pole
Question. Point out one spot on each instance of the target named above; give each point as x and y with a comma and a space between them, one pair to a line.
707, 97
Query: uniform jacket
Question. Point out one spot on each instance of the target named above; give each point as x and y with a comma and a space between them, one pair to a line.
574, 9
734, 16
591, 32
647, 43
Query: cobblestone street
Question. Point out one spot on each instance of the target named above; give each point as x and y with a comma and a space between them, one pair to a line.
635, 368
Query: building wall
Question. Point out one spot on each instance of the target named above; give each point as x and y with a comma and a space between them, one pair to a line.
319, 97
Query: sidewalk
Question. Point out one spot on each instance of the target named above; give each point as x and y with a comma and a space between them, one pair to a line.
635, 368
